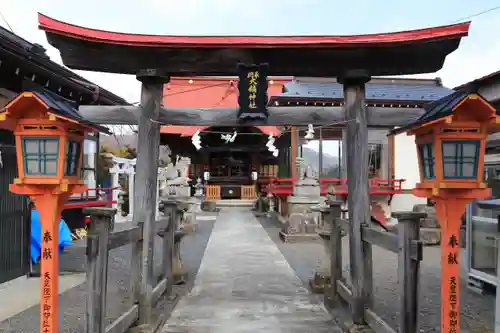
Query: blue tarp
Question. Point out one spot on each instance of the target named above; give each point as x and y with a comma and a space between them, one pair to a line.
64, 236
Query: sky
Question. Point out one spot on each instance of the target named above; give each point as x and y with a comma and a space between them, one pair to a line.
478, 54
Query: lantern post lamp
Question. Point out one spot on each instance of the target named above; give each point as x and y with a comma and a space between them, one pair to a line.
49, 134
451, 141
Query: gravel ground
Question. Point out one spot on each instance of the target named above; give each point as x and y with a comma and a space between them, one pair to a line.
477, 311
72, 302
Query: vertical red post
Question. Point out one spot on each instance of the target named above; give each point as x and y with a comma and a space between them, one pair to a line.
294, 146
49, 206
449, 212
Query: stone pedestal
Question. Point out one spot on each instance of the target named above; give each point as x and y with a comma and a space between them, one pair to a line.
184, 190
322, 280
184, 205
271, 209
430, 236
430, 232
179, 273
308, 187
176, 207
190, 223
302, 221
330, 210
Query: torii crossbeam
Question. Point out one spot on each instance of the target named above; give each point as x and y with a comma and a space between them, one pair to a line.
130, 115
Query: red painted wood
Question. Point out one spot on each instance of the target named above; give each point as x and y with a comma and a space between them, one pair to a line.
92, 201
107, 37
284, 186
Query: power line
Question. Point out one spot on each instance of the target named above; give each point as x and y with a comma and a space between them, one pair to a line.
6, 22
477, 14
260, 133
188, 91
195, 89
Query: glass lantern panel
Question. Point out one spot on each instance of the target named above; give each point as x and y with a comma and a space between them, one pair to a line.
31, 147
51, 167
74, 149
89, 154
450, 169
469, 170
72, 158
449, 150
460, 158
427, 159
51, 147
32, 167
469, 150
40, 155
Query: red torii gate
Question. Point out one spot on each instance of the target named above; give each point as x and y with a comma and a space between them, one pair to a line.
352, 59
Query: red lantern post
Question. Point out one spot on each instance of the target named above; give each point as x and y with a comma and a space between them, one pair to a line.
451, 142
49, 135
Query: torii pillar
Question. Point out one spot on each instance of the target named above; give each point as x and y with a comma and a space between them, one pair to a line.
357, 184
148, 148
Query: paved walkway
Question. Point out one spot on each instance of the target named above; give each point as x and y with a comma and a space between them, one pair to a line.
30, 291
245, 285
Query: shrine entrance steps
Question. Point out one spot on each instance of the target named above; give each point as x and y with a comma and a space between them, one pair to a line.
235, 203
244, 284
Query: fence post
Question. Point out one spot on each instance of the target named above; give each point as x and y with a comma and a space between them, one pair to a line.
179, 274
409, 257
97, 267
135, 268
168, 243
334, 214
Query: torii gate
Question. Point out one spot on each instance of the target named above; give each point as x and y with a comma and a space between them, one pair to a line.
352, 59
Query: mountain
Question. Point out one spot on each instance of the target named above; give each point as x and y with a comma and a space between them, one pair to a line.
311, 157
118, 140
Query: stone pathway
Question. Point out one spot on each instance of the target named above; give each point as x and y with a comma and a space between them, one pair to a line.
245, 285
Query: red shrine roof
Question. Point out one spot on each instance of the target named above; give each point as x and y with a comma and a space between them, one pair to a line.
395, 53
55, 26
210, 92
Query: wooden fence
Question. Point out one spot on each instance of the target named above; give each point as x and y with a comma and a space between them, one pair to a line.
248, 192
212, 192
100, 241
405, 242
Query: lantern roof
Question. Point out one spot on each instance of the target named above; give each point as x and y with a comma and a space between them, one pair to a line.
446, 106
58, 106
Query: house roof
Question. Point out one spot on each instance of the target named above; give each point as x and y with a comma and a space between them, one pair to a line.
378, 54
383, 90
32, 61
191, 130
439, 109
221, 92
482, 80
60, 106
208, 92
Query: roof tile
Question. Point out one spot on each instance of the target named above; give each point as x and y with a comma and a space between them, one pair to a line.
66, 108
374, 91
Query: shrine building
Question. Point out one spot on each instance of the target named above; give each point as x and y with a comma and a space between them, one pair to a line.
230, 164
